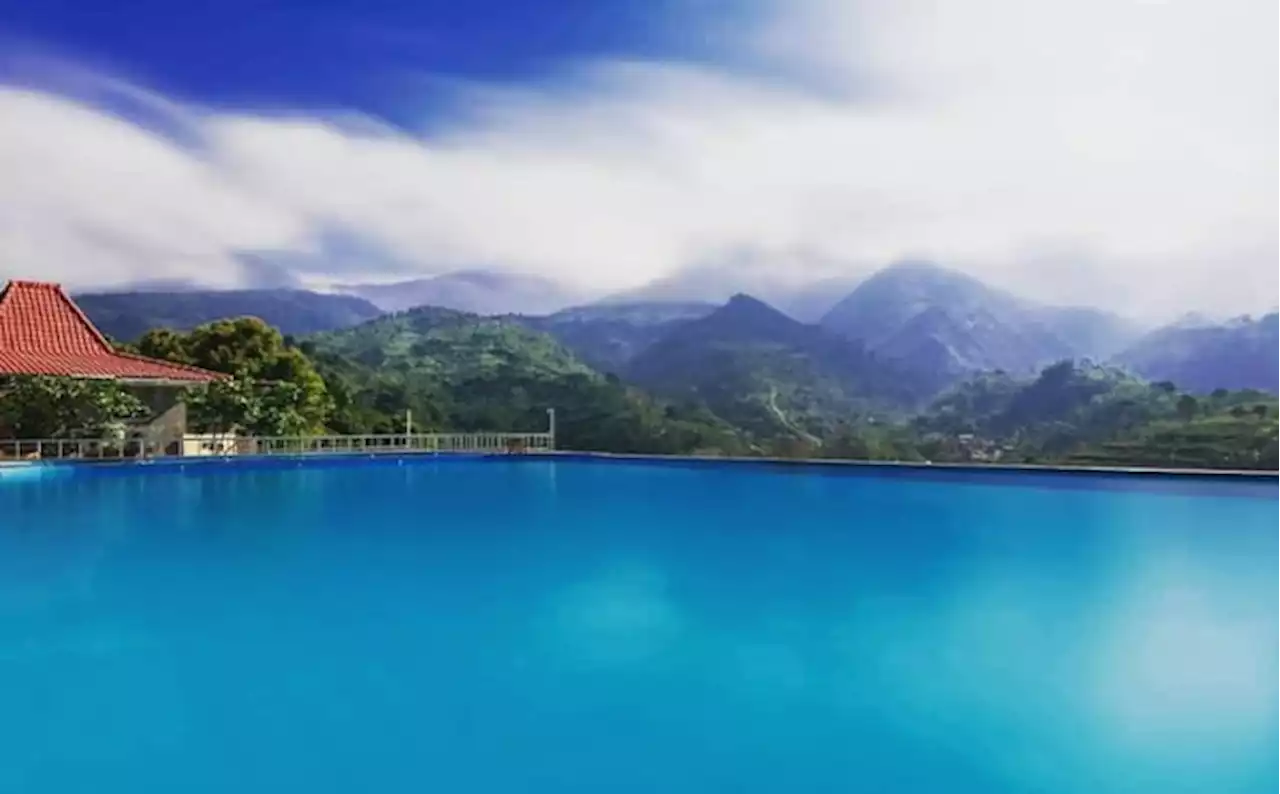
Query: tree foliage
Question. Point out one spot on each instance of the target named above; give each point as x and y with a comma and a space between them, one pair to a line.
257, 408
274, 389
1100, 416
47, 407
458, 371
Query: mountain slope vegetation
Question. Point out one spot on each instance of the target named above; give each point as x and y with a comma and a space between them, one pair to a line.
461, 371
1096, 415
767, 373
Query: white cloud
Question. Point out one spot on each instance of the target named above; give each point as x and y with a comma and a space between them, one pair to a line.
88, 198
1109, 151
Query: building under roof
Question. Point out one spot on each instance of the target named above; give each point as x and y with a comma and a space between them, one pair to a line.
43, 332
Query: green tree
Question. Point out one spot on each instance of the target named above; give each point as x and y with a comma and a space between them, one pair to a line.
275, 389
164, 343
222, 406
259, 408
45, 407
1187, 407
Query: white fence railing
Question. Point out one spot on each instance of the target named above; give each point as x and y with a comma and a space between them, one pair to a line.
227, 445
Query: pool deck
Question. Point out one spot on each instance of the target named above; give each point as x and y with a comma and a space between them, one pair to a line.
922, 466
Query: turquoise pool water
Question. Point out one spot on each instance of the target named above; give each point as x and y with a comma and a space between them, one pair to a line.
573, 626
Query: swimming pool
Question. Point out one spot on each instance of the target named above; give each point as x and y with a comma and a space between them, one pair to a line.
527, 625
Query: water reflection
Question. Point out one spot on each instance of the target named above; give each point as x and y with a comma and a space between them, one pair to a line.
1115, 652
1181, 661
621, 614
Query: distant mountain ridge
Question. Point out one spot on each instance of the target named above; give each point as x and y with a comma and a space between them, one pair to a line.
476, 291
806, 302
933, 326
938, 325
1240, 354
609, 335
128, 315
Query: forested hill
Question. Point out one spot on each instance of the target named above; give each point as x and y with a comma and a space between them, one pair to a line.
1087, 414
458, 370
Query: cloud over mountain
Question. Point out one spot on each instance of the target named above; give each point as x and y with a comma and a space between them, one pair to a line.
1112, 153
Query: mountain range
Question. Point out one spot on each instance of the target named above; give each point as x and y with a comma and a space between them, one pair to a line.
935, 326
744, 378
931, 326
127, 315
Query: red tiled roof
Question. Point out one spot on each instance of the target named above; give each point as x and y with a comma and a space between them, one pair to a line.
43, 332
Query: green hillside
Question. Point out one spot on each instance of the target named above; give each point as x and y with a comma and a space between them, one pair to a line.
769, 374
461, 371
1087, 414
450, 345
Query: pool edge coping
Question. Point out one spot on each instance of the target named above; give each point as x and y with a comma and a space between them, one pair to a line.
959, 467
1255, 474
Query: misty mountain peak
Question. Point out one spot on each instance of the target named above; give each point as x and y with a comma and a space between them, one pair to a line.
913, 306
750, 314
478, 291
743, 302
916, 268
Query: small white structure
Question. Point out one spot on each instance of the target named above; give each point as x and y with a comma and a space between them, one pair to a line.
194, 445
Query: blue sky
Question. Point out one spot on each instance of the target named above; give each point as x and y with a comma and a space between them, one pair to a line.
378, 57
1113, 152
